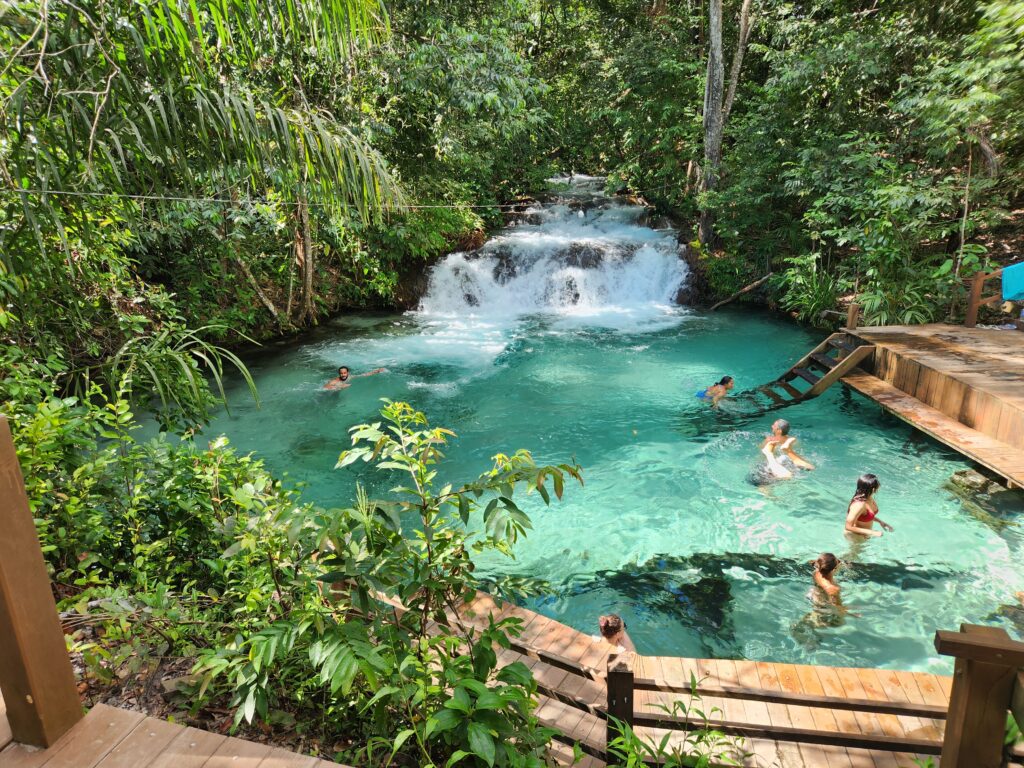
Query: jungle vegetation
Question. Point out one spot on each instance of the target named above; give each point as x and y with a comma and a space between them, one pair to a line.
180, 179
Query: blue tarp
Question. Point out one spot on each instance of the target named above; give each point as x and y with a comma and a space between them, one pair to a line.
1013, 282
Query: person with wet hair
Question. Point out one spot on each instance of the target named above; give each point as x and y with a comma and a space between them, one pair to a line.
824, 575
781, 442
828, 611
344, 378
716, 391
613, 632
862, 512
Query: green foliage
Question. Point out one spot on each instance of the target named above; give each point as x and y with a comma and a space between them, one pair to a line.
362, 622
808, 289
883, 139
700, 745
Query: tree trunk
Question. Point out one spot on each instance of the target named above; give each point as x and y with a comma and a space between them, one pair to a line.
244, 269
308, 261
746, 22
712, 116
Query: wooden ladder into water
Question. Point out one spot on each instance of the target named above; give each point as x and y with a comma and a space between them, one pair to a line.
820, 368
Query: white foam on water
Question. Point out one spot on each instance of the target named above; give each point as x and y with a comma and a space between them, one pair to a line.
585, 259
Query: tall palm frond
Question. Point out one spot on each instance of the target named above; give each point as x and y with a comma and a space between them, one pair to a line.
127, 97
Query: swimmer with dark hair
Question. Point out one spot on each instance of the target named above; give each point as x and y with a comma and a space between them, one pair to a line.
344, 378
824, 575
613, 632
717, 391
862, 513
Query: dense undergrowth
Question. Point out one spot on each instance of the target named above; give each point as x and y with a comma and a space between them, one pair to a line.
177, 179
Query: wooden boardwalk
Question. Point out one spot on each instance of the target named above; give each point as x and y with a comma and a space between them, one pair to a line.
909, 703
962, 386
109, 737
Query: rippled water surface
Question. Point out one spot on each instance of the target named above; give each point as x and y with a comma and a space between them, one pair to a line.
534, 345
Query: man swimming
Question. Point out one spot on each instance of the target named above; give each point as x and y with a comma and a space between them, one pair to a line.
344, 377
780, 440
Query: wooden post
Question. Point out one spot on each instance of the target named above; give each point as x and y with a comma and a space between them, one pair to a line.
36, 678
852, 317
1017, 701
974, 300
983, 679
620, 692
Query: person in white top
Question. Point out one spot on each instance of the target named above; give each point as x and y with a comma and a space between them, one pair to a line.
779, 445
613, 632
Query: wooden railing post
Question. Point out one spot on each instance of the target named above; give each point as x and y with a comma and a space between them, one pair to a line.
620, 692
36, 678
986, 667
852, 317
974, 300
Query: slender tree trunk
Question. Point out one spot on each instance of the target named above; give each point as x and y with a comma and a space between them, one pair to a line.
254, 284
712, 115
746, 22
303, 234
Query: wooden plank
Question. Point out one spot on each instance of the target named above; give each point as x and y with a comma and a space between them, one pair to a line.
81, 747
997, 456
191, 748
1017, 702
981, 647
238, 753
282, 758
35, 672
824, 719
5, 728
801, 717
778, 714
149, 738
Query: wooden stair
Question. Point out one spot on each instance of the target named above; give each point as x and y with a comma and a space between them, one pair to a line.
995, 455
820, 368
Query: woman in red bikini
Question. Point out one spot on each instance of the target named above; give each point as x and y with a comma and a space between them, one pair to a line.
862, 514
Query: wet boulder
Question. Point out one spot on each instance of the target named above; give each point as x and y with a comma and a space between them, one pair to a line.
583, 256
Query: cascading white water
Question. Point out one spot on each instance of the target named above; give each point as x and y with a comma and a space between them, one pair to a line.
584, 253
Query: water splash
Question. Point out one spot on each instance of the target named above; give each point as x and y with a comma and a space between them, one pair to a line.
584, 254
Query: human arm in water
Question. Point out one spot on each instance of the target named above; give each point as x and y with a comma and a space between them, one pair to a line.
853, 516
828, 587
773, 462
338, 383
796, 458
716, 392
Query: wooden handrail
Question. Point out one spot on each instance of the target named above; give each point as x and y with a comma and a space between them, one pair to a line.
974, 301
986, 670
36, 678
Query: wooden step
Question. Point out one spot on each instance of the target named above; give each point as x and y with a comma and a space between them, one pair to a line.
767, 389
843, 342
806, 375
999, 457
828, 363
792, 391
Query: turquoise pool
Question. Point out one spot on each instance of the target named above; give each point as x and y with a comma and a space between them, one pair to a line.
669, 531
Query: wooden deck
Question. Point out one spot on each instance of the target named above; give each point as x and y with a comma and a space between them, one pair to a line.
962, 386
117, 738
892, 690
910, 704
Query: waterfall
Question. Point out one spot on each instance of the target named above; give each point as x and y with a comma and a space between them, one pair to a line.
581, 253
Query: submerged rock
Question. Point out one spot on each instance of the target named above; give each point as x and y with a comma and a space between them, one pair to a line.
972, 480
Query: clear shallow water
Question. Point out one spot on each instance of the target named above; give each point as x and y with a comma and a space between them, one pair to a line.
668, 532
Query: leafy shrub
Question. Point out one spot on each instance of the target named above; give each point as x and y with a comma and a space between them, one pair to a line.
364, 633
808, 289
